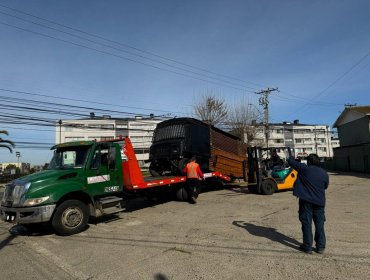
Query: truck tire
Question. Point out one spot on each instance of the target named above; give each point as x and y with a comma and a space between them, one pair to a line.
70, 217
268, 187
182, 194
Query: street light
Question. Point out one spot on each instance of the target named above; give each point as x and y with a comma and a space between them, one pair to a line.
60, 131
18, 155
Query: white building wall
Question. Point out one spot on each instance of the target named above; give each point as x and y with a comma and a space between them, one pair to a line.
139, 130
306, 138
141, 135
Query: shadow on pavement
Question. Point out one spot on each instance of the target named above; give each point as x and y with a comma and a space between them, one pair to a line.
40, 229
6, 241
269, 233
160, 276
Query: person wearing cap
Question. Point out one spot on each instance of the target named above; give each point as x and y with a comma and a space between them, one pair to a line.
194, 175
310, 186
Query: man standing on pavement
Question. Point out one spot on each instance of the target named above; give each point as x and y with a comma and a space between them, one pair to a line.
194, 175
310, 188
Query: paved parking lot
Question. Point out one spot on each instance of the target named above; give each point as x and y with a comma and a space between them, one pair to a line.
229, 234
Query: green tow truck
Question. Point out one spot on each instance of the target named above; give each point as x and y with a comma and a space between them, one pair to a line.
84, 179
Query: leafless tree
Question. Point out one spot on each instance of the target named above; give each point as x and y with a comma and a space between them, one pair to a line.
211, 110
242, 121
6, 143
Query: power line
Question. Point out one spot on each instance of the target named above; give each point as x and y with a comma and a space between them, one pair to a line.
125, 51
335, 81
124, 58
303, 101
126, 45
14, 99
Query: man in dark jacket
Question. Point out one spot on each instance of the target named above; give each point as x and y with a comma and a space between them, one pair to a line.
310, 188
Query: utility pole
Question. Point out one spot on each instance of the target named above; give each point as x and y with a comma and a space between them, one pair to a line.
264, 102
315, 140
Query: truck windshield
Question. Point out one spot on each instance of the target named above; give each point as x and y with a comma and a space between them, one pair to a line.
69, 157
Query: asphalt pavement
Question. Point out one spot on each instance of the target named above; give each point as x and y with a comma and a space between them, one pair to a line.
228, 234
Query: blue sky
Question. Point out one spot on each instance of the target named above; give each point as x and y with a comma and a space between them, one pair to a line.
316, 52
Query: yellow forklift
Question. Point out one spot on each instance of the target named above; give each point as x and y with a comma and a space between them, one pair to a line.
264, 177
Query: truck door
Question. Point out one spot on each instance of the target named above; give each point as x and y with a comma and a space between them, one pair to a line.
103, 175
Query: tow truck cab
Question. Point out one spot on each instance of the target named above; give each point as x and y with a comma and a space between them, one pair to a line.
83, 179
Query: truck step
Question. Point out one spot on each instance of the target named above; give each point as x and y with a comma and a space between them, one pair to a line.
112, 210
109, 205
109, 200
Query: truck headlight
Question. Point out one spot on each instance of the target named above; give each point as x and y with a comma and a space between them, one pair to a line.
19, 192
35, 201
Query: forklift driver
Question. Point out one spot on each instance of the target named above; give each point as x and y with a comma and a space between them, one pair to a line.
276, 162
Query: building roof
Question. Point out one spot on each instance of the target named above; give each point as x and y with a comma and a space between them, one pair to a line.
351, 114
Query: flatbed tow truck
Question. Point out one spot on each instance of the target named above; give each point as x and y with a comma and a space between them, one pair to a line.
85, 179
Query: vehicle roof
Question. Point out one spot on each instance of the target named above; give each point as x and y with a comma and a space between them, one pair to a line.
195, 122
73, 143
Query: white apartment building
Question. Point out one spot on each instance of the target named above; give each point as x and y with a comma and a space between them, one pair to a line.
303, 138
139, 129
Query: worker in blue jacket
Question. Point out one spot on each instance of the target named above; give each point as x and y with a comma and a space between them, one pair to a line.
310, 186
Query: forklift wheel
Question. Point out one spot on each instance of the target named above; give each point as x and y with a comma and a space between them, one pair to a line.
268, 187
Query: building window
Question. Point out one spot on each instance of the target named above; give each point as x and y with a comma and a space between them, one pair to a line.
75, 138
94, 138
139, 151
106, 138
121, 126
298, 140
301, 131
107, 126
93, 126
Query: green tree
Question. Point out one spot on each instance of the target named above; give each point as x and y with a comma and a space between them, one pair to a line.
6, 143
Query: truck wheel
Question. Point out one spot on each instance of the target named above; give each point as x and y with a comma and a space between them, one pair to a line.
182, 194
268, 187
70, 217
